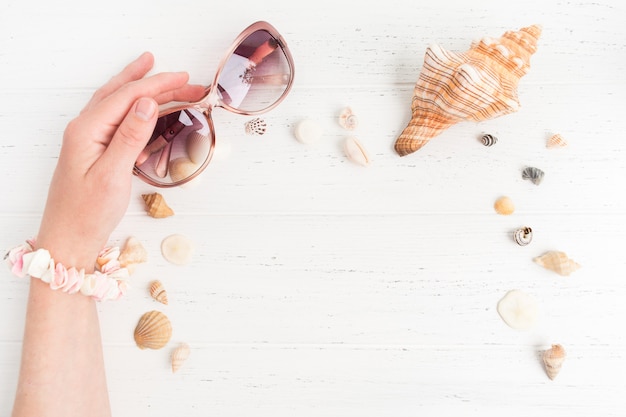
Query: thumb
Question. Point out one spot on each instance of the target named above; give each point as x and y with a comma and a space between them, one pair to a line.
133, 133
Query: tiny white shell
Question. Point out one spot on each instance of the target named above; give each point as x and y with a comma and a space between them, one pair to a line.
308, 131
347, 119
179, 356
355, 151
177, 249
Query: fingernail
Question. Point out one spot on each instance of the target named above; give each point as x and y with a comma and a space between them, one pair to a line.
145, 108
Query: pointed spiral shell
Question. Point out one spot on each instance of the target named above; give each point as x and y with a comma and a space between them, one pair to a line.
157, 291
156, 206
553, 359
523, 236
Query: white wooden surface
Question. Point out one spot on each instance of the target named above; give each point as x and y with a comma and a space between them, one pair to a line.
321, 288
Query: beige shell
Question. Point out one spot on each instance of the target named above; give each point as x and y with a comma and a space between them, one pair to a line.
308, 131
182, 168
133, 253
504, 205
558, 262
153, 330
157, 291
156, 206
347, 119
179, 356
355, 151
476, 85
177, 249
556, 141
198, 147
553, 359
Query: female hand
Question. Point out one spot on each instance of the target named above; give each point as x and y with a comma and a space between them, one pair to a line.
90, 189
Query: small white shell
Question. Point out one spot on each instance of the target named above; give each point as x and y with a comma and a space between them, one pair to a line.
256, 126
177, 249
308, 131
347, 119
179, 356
355, 151
198, 147
518, 309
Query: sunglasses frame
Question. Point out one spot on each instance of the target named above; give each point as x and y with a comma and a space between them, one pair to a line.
212, 99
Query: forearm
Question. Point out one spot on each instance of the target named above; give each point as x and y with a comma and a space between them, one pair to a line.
62, 370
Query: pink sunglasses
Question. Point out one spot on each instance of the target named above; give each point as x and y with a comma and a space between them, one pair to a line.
253, 77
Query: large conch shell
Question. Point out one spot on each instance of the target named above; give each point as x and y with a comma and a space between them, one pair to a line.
558, 262
477, 85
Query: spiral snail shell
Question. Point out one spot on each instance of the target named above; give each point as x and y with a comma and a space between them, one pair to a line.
488, 140
523, 236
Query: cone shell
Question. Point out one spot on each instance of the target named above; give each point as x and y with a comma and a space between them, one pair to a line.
157, 291
556, 141
558, 262
504, 205
553, 359
153, 331
476, 85
179, 356
133, 252
156, 206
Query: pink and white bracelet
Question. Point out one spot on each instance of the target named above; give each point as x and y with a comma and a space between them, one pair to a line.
108, 282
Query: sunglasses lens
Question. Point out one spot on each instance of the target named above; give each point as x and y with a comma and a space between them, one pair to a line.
182, 143
257, 75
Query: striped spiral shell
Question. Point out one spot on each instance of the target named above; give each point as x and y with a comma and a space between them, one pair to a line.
488, 140
523, 236
535, 175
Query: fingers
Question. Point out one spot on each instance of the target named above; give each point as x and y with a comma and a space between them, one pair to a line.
113, 109
188, 92
131, 136
136, 70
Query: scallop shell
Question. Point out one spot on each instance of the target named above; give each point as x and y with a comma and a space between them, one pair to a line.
535, 175
182, 168
133, 253
556, 141
523, 236
198, 147
156, 206
347, 119
355, 151
558, 262
179, 356
256, 126
157, 291
488, 140
177, 249
153, 330
476, 85
553, 359
504, 205
308, 131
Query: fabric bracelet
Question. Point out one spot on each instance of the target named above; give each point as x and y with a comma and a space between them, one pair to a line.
108, 282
